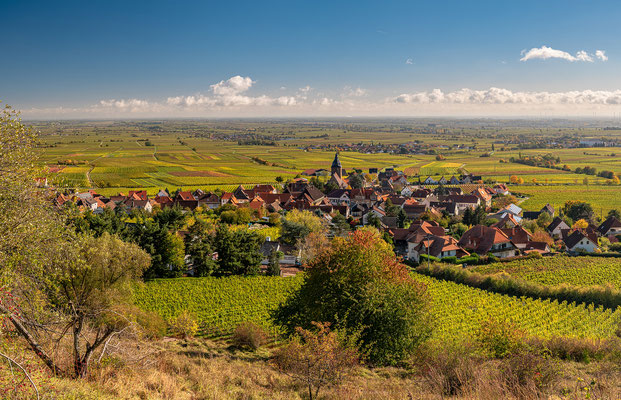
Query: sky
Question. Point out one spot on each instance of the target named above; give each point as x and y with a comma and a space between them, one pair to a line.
166, 59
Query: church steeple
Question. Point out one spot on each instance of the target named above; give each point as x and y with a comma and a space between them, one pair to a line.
336, 166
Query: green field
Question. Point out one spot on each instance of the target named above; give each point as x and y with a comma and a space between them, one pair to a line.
577, 271
117, 156
458, 311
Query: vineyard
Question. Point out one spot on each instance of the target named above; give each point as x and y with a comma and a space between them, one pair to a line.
577, 271
220, 304
459, 311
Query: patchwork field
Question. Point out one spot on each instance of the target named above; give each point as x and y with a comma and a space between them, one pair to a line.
113, 156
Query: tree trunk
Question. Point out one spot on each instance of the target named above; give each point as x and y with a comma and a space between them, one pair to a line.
47, 360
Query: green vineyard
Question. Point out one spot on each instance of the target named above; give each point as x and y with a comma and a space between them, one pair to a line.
576, 271
220, 304
459, 310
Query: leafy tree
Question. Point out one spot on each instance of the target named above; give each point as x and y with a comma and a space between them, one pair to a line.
374, 221
356, 181
579, 210
298, 224
340, 224
165, 248
172, 217
358, 285
239, 251
273, 268
544, 219
199, 247
476, 216
614, 213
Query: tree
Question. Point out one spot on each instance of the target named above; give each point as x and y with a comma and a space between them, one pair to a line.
356, 181
544, 219
476, 216
273, 267
166, 249
614, 213
199, 247
340, 224
172, 217
580, 224
239, 251
579, 210
298, 224
316, 358
513, 179
358, 285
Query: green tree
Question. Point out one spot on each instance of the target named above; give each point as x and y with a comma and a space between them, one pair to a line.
172, 217
340, 224
166, 249
614, 213
239, 251
356, 181
298, 224
199, 247
358, 285
577, 210
273, 268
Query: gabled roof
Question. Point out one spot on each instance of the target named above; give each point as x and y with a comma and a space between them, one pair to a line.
480, 238
518, 234
611, 222
572, 240
138, 194
555, 223
338, 193
186, 196
507, 217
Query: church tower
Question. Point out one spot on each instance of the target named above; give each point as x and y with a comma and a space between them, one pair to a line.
336, 166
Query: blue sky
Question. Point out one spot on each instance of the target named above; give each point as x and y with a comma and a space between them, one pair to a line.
166, 59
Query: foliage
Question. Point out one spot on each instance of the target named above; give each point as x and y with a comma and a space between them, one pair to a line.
199, 247
500, 338
249, 335
358, 285
316, 358
298, 224
184, 325
166, 249
478, 216
239, 251
577, 210
273, 267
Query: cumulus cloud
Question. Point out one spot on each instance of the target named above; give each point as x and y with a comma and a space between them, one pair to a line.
504, 96
126, 104
409, 61
357, 92
545, 53
232, 86
601, 54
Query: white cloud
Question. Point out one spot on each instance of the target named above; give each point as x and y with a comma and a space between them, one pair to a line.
357, 92
132, 105
409, 61
601, 54
545, 53
507, 97
232, 86
305, 89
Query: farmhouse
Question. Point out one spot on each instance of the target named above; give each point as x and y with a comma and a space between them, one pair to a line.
580, 241
488, 240
610, 227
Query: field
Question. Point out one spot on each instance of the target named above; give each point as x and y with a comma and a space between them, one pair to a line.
220, 304
577, 271
117, 156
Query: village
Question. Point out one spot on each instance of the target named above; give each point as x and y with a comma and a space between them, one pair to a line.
445, 219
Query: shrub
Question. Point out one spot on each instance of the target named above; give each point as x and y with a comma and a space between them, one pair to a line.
358, 285
500, 338
316, 358
184, 325
152, 324
448, 370
249, 335
526, 374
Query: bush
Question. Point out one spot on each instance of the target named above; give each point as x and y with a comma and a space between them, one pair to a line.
448, 371
249, 335
358, 285
152, 324
500, 338
184, 325
316, 358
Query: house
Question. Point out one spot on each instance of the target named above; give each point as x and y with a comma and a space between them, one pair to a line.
339, 196
442, 181
502, 189
483, 195
533, 215
291, 255
508, 220
462, 202
538, 247
430, 181
241, 195
556, 227
376, 211
610, 227
518, 235
138, 194
436, 246
414, 211
488, 240
580, 241
454, 181
209, 200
